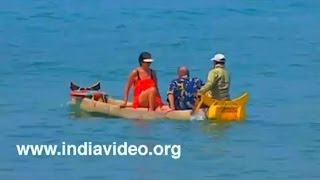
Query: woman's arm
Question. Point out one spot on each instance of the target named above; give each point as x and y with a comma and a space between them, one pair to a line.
128, 85
156, 82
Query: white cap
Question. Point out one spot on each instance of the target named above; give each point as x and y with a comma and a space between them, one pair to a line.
147, 60
219, 58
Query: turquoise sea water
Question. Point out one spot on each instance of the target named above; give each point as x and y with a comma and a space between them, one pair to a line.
272, 50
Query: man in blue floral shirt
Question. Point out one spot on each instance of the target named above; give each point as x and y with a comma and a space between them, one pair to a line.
182, 92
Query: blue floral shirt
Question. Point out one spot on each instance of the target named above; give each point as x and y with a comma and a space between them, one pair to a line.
184, 91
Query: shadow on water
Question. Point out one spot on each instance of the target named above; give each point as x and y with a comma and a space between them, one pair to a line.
76, 112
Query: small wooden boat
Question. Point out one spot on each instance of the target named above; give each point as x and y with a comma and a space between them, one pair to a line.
93, 100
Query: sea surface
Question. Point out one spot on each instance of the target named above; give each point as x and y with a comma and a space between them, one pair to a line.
272, 50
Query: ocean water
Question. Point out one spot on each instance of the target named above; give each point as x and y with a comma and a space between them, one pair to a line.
272, 49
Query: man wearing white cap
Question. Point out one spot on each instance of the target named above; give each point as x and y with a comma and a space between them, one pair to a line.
218, 80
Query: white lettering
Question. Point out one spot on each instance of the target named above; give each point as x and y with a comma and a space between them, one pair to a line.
88, 149
107, 149
123, 148
83, 149
158, 150
176, 151
132, 150
97, 150
143, 150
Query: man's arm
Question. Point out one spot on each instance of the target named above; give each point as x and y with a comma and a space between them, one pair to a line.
210, 81
170, 96
199, 83
171, 101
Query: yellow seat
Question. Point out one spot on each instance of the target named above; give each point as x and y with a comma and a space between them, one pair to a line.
224, 109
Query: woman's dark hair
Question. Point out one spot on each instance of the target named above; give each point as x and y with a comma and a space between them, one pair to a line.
144, 55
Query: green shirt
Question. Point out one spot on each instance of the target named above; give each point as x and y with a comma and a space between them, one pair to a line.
218, 83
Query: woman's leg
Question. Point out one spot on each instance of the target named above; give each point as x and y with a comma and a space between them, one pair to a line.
147, 99
164, 108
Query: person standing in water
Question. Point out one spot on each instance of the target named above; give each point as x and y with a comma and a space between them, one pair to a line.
145, 85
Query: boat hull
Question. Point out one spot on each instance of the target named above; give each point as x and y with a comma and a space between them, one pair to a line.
112, 108
92, 100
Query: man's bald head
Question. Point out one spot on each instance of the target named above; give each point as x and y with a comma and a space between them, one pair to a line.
183, 71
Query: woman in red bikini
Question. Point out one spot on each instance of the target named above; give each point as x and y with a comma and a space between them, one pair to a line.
144, 81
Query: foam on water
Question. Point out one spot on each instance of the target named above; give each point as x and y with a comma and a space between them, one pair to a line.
198, 116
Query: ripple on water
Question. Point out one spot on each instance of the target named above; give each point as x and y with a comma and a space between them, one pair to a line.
298, 65
33, 130
268, 73
62, 169
13, 45
245, 11
6, 13
94, 177
46, 15
43, 29
22, 18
